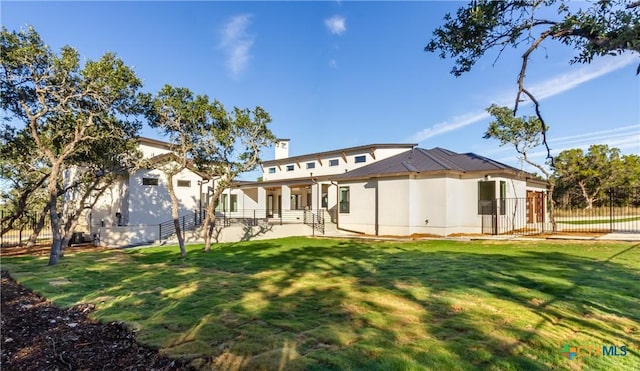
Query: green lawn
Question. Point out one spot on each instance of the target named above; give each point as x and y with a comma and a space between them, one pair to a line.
303, 303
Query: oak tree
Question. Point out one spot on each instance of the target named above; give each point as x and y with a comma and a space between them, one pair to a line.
228, 148
597, 28
524, 134
64, 108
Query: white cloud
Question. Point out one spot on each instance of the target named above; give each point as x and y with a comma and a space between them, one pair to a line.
541, 90
237, 43
570, 80
336, 24
444, 127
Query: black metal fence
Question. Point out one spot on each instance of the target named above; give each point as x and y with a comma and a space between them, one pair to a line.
617, 211
20, 231
246, 217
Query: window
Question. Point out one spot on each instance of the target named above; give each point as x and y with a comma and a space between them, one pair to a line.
360, 159
311, 165
503, 197
289, 167
184, 183
325, 200
334, 162
486, 195
233, 206
272, 170
344, 199
221, 203
150, 181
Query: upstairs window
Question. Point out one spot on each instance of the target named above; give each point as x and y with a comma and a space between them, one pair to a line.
311, 165
289, 167
360, 159
150, 181
334, 162
184, 183
272, 170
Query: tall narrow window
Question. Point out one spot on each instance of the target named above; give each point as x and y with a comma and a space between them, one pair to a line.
344, 199
486, 195
233, 205
221, 204
503, 197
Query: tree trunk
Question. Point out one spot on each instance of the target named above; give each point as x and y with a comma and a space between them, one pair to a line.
37, 229
175, 204
552, 206
54, 255
210, 219
208, 225
56, 243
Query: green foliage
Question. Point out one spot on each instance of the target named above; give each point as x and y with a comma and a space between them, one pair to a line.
591, 28
302, 303
586, 177
70, 116
523, 133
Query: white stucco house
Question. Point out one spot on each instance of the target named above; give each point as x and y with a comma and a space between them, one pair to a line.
400, 190
376, 189
440, 192
131, 210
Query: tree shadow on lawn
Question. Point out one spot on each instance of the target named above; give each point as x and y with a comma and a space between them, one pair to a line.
566, 298
308, 303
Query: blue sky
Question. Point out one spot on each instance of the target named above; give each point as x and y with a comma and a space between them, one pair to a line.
341, 74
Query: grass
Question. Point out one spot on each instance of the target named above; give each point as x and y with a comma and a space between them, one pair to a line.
599, 221
301, 303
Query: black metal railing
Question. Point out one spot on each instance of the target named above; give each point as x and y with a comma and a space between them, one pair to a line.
314, 220
187, 222
514, 216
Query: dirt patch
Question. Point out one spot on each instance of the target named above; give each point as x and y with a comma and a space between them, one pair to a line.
36, 335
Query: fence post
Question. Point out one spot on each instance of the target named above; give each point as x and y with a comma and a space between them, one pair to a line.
183, 224
160, 232
610, 210
495, 216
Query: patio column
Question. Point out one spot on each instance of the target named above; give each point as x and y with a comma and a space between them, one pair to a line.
262, 202
315, 196
286, 197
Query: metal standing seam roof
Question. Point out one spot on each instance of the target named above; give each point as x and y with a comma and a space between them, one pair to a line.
420, 160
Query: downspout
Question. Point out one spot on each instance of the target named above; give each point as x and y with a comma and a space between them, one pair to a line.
337, 203
376, 208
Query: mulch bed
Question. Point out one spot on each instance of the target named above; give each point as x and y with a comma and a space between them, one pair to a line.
36, 335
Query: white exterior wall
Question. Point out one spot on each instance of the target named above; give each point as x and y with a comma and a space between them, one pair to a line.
429, 205
150, 204
361, 216
300, 169
149, 151
394, 204
113, 200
